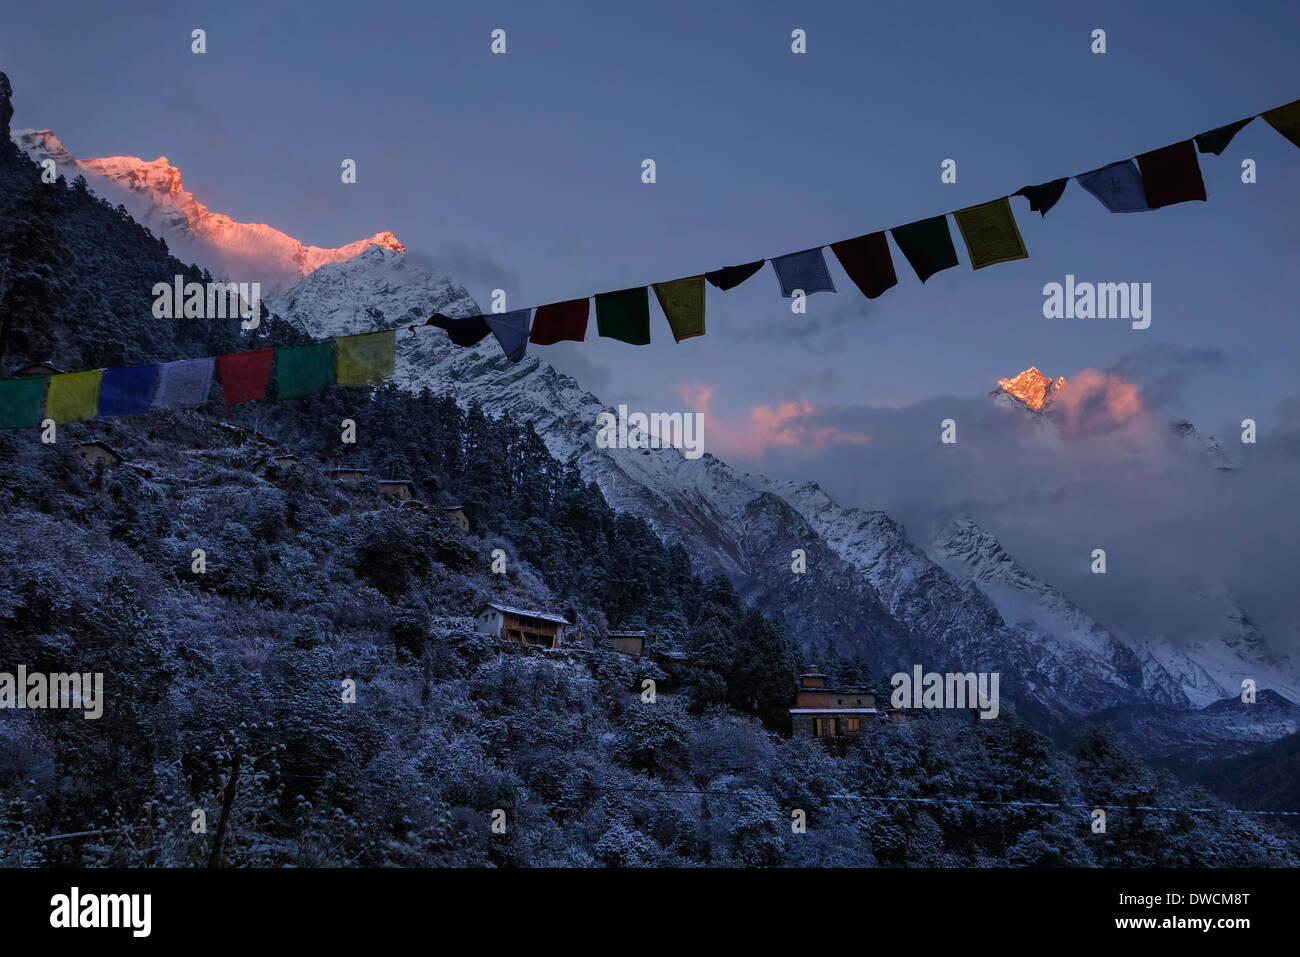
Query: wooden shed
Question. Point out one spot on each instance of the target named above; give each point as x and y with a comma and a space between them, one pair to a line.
348, 476
528, 625
456, 514
99, 453
628, 642
283, 461
401, 489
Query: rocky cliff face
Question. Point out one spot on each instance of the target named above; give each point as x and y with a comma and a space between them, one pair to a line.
6, 104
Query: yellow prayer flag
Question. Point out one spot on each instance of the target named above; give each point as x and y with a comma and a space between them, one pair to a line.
682, 301
73, 396
1286, 120
366, 359
990, 233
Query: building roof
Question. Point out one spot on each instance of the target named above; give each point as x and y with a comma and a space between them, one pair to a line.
451, 508
346, 468
524, 612
396, 482
30, 369
103, 445
813, 674
834, 711
626, 634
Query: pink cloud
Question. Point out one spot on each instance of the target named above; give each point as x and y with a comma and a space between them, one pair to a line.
792, 426
1091, 399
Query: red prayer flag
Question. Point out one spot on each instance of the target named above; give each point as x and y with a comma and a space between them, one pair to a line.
1171, 175
868, 263
560, 321
244, 375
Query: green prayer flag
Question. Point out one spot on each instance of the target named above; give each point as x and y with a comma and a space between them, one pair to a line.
73, 396
624, 315
1216, 140
990, 233
1286, 120
366, 359
682, 301
304, 370
927, 244
20, 401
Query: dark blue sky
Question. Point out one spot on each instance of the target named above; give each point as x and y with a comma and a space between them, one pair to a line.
523, 171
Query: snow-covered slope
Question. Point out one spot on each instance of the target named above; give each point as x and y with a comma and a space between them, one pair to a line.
1204, 671
869, 590
154, 194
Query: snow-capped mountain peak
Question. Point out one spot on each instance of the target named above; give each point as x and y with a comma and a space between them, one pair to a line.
1031, 389
155, 194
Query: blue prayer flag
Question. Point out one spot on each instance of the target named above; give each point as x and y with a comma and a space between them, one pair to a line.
511, 330
1118, 186
803, 270
126, 391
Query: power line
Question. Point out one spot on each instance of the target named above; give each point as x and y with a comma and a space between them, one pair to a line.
920, 800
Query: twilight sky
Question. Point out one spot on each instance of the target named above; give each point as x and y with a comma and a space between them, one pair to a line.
523, 171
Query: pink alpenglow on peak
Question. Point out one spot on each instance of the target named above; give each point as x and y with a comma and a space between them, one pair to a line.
1031, 387
155, 195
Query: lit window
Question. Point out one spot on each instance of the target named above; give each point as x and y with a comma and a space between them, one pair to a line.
855, 724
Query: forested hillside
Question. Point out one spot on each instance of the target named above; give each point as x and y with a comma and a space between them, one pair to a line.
229, 685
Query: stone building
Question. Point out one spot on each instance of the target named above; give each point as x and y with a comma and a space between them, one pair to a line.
823, 712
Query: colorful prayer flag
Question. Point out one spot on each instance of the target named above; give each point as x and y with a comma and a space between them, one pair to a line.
1286, 120
303, 370
464, 331
20, 401
1043, 197
73, 396
511, 330
1171, 175
927, 244
366, 359
244, 375
183, 384
560, 321
624, 315
868, 263
127, 391
804, 270
1118, 186
1216, 140
990, 233
682, 301
729, 277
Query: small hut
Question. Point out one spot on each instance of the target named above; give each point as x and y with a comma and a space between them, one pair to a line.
348, 476
456, 514
401, 489
99, 453
628, 642
528, 625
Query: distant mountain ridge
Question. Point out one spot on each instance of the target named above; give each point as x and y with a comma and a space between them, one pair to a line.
153, 192
870, 591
